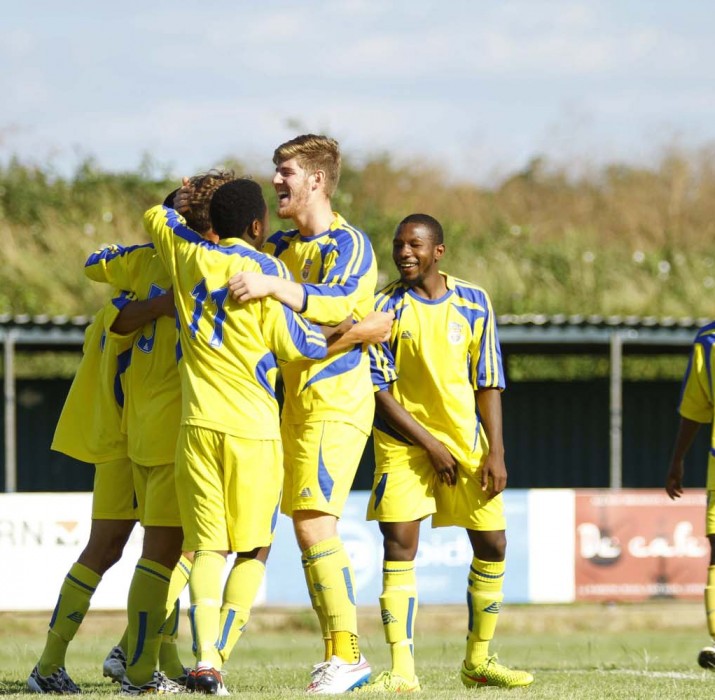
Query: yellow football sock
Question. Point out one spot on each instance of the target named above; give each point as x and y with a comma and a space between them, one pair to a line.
169, 660
72, 605
710, 601
322, 619
332, 578
146, 612
240, 591
484, 598
205, 586
124, 641
398, 608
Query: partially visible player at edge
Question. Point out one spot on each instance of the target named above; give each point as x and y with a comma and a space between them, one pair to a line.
438, 449
89, 429
328, 409
695, 409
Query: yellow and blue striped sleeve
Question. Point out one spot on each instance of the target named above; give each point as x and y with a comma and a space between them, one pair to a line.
289, 335
351, 274
486, 369
116, 264
696, 398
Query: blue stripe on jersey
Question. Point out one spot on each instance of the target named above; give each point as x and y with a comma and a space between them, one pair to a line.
281, 240
382, 425
114, 251
306, 336
122, 300
268, 264
706, 338
354, 261
123, 361
350, 360
265, 364
382, 366
325, 481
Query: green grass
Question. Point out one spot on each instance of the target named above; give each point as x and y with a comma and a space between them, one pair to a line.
580, 651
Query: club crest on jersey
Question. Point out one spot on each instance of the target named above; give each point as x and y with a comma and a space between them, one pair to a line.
454, 333
305, 272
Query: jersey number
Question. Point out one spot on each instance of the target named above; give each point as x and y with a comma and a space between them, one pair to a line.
216, 299
146, 343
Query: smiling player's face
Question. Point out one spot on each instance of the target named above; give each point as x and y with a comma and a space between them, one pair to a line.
293, 186
415, 254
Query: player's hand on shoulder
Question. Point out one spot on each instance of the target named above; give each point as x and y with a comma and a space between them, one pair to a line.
244, 286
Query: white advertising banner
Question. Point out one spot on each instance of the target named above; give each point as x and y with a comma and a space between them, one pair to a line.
43, 534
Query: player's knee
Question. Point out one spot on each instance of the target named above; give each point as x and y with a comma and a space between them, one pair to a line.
102, 558
489, 546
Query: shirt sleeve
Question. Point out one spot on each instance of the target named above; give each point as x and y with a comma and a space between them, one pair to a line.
696, 401
116, 264
351, 275
289, 335
163, 224
111, 311
486, 368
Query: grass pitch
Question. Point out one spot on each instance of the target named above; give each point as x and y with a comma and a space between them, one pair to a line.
575, 652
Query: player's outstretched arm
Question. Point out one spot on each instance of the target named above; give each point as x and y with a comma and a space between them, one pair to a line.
399, 418
687, 430
494, 474
137, 314
374, 328
244, 286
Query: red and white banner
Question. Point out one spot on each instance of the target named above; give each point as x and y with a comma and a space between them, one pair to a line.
638, 545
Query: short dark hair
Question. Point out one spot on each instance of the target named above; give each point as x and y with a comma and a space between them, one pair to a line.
429, 222
235, 206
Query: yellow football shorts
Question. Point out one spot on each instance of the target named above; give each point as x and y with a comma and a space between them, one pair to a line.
321, 460
155, 489
229, 489
113, 492
410, 490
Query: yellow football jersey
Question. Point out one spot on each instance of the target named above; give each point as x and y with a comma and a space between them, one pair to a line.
228, 350
696, 401
441, 351
339, 274
89, 427
152, 410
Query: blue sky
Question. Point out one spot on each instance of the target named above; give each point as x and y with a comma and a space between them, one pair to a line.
475, 87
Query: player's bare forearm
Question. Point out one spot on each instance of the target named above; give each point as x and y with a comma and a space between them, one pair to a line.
374, 328
136, 314
399, 418
687, 430
244, 286
494, 474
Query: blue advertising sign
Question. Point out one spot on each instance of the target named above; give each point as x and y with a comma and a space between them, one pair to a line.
442, 561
